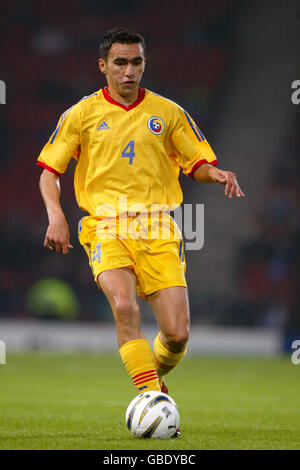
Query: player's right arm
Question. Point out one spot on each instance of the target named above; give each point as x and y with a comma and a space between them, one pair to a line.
54, 159
58, 234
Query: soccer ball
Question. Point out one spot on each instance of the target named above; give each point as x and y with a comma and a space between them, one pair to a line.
152, 415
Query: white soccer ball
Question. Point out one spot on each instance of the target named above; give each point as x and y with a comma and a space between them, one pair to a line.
152, 415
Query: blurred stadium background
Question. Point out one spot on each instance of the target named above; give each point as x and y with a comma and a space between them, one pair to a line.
231, 64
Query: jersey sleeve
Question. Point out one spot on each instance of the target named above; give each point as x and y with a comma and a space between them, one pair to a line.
189, 145
63, 144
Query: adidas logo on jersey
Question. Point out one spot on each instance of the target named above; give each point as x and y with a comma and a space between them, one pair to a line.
103, 126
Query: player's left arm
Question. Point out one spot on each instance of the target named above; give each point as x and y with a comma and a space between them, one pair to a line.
207, 173
196, 157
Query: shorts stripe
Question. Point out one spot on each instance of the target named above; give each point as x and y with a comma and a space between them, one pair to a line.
180, 249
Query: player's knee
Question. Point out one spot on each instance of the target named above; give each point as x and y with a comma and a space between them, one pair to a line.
125, 310
177, 340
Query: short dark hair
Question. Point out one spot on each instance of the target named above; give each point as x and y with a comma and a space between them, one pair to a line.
121, 35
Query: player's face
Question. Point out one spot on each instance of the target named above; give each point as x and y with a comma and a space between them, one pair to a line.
124, 68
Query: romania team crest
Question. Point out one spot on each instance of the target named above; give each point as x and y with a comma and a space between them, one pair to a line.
156, 125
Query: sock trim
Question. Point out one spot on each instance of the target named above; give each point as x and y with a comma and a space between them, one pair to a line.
171, 357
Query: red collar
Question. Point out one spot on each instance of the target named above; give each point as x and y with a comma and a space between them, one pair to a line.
127, 108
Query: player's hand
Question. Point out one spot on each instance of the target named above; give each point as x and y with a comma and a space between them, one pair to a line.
227, 178
58, 236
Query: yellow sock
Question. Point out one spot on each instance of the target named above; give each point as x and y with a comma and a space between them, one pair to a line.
164, 359
137, 357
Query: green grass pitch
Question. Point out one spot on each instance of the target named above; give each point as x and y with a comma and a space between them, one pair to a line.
78, 401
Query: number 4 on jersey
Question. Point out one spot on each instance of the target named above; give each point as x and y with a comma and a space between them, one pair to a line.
129, 151
97, 253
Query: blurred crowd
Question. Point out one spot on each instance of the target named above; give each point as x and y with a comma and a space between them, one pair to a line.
269, 259
268, 268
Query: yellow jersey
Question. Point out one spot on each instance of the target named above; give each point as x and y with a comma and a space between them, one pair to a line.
135, 152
